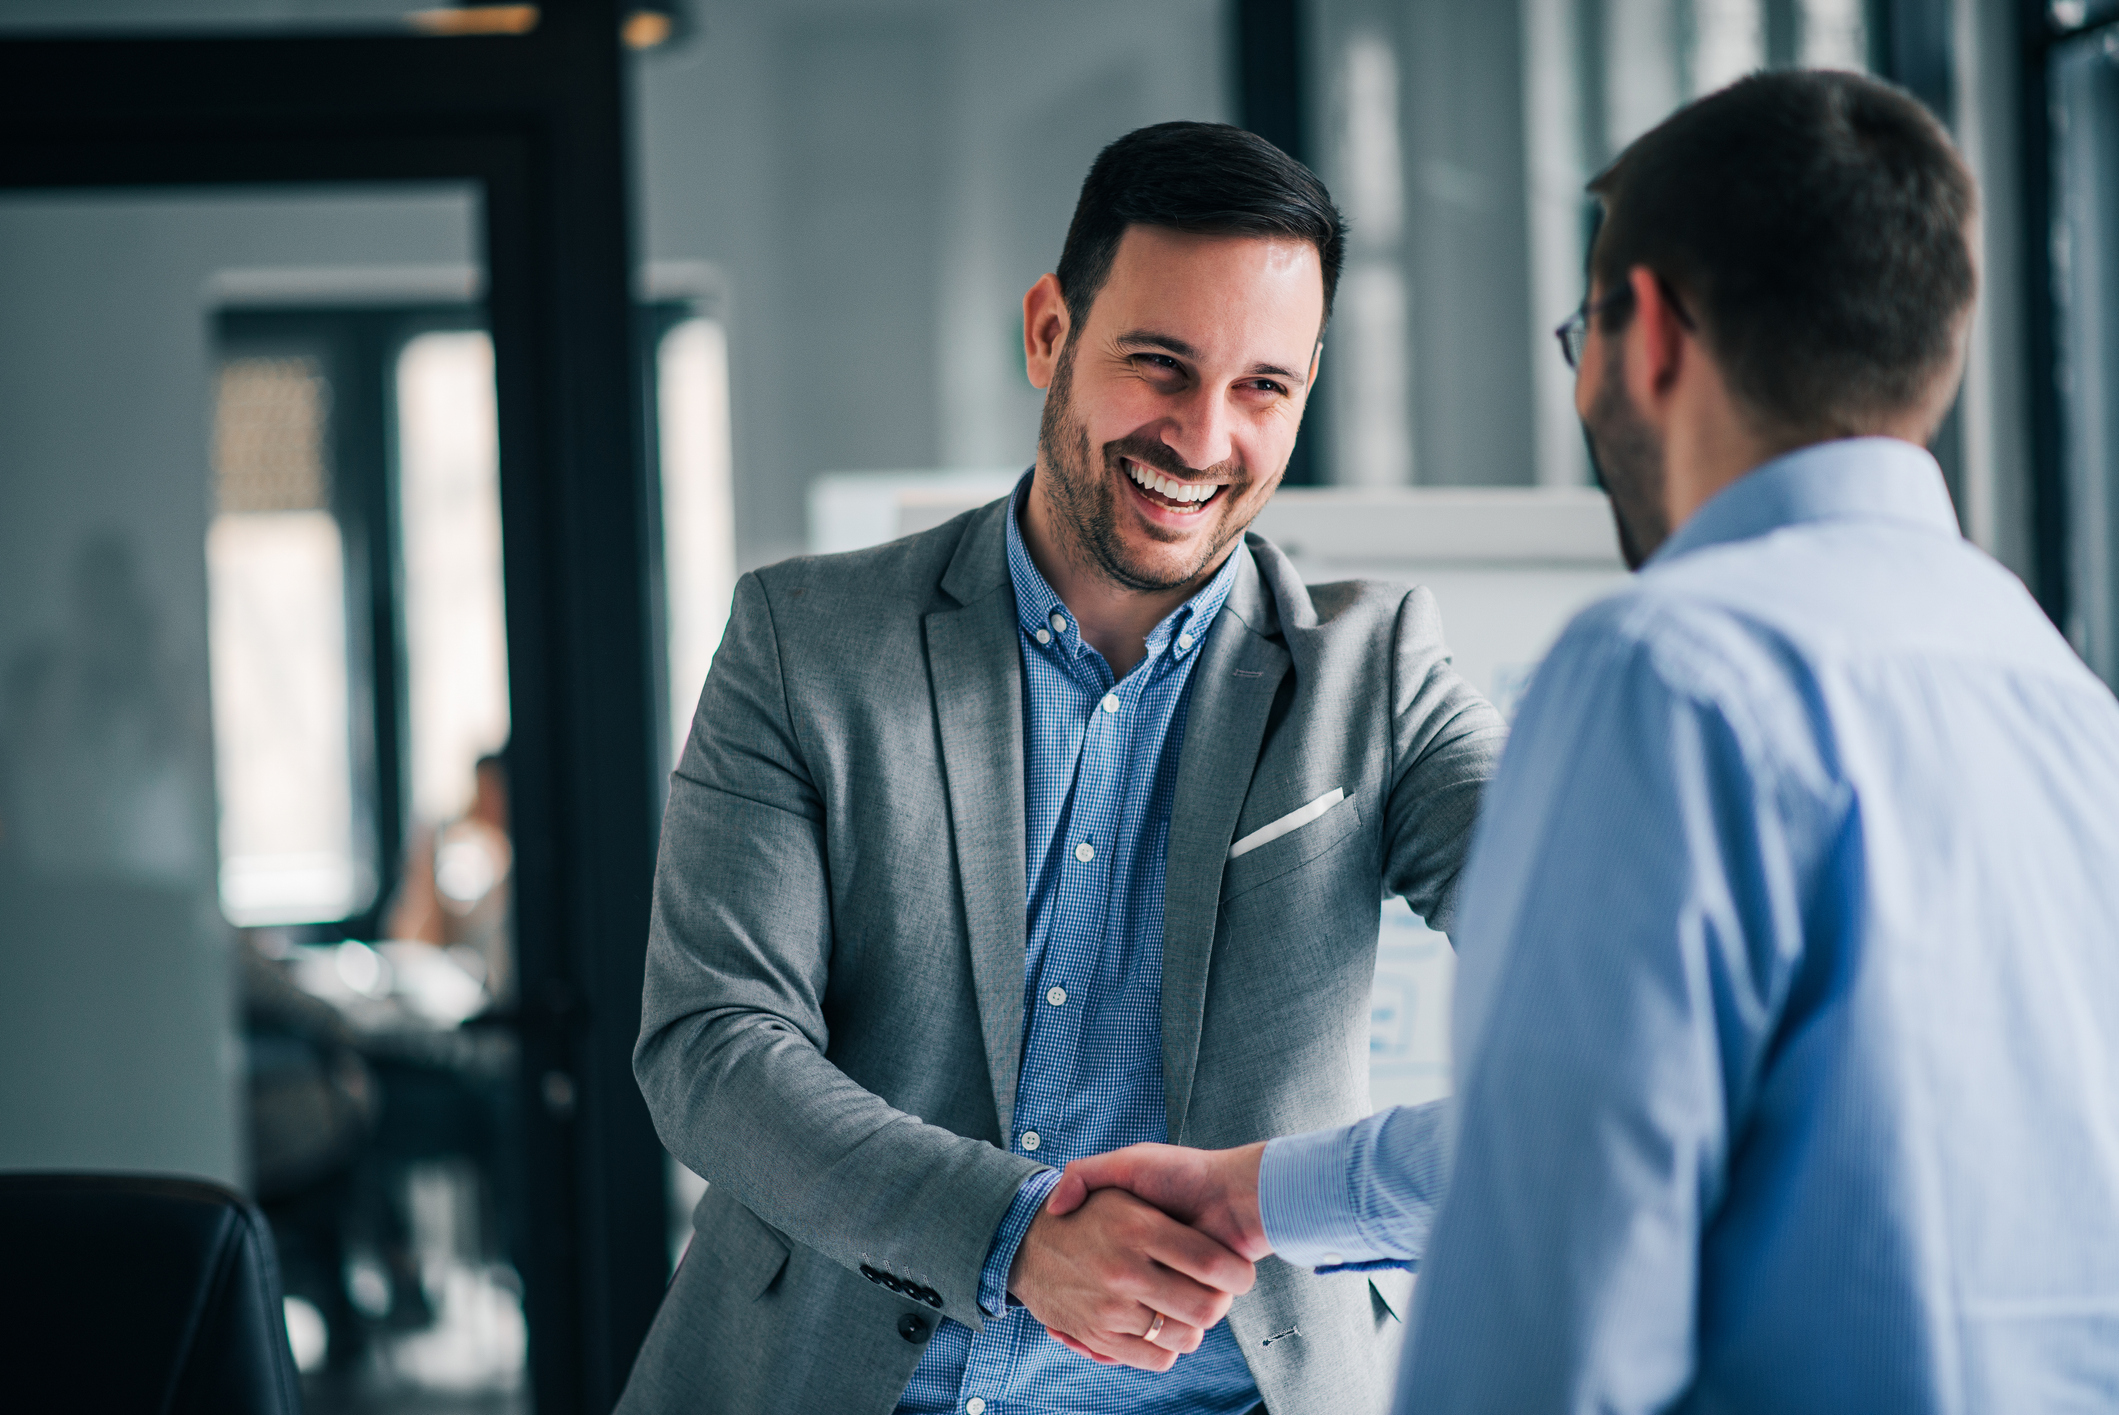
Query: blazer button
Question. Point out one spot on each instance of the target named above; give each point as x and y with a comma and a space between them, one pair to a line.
914, 1328
871, 1274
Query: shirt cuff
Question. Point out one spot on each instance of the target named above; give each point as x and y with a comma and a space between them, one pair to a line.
1362, 1197
1303, 1199
993, 1278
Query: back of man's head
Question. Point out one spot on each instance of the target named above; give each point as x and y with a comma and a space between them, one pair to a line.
1818, 226
1207, 179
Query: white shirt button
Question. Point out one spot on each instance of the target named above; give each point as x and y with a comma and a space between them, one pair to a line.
1056, 996
974, 1406
1059, 626
1085, 852
1030, 1140
1329, 1260
1184, 641
1110, 702
1044, 636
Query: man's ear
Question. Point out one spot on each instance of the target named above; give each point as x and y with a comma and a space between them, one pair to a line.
1659, 342
1045, 330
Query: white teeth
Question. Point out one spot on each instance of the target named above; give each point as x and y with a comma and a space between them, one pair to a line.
1175, 490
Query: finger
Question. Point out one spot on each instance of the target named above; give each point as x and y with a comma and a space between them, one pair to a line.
1180, 1337
1079, 1349
1177, 1297
1186, 1250
1131, 1350
1114, 1169
1067, 1195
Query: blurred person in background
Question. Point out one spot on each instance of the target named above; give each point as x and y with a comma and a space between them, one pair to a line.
1787, 1026
458, 888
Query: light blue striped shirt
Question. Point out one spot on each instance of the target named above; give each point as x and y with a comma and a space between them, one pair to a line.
1787, 1025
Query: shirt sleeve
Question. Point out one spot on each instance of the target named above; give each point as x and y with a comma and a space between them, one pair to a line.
993, 1278
1358, 1198
1632, 921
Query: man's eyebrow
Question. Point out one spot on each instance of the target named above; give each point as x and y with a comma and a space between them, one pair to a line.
1150, 339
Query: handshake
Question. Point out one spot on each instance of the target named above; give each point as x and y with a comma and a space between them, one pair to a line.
1137, 1253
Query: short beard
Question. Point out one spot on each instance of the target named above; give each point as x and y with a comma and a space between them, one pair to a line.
1627, 456
1083, 498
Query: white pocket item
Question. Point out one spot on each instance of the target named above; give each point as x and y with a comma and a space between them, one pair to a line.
1293, 820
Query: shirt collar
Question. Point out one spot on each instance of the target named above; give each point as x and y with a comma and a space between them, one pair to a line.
1040, 612
1855, 478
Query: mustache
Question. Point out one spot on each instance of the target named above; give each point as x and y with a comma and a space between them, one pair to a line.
1152, 451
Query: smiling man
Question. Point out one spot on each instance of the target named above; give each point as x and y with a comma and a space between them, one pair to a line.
1055, 829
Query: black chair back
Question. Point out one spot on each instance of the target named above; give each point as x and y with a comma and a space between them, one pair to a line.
139, 1295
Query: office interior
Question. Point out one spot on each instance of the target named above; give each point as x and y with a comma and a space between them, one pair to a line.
368, 517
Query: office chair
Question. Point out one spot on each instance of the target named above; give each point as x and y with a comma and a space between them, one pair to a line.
139, 1295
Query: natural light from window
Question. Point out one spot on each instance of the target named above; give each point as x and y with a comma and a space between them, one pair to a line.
698, 521
448, 492
277, 643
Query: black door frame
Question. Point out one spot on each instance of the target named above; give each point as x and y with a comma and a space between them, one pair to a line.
538, 124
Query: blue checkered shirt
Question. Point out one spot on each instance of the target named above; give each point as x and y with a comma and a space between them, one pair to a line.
1099, 775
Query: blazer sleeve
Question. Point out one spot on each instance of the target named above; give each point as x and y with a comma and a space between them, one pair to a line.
733, 1040
1446, 743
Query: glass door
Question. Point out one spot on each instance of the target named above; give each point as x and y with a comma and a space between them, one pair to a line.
254, 849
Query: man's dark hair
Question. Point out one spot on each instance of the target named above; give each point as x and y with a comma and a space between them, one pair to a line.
1208, 179
1816, 226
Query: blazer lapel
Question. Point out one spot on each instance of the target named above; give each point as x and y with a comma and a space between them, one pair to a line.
974, 669
1233, 684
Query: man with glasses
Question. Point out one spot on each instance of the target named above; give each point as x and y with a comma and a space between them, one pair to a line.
1787, 1027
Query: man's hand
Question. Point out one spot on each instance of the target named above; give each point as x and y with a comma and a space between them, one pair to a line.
1215, 1191
1099, 1275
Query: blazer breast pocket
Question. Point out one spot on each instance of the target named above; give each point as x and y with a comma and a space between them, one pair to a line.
1265, 863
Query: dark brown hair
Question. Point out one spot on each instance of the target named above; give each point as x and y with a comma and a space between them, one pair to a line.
1817, 225
1209, 179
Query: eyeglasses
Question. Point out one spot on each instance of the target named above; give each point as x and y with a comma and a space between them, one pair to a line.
1573, 332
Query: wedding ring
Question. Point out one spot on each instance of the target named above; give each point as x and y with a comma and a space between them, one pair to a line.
1155, 1328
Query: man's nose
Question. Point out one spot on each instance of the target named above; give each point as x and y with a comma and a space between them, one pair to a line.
1200, 430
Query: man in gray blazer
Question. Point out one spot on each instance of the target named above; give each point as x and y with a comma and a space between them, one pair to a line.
1058, 828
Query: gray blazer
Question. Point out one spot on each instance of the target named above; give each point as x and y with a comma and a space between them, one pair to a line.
834, 1005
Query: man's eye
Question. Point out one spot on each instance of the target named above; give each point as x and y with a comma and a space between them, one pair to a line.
1161, 363
1266, 385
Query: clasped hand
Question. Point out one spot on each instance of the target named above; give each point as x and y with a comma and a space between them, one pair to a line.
1147, 1231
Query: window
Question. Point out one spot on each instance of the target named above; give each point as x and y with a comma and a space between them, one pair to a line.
358, 637
277, 637
698, 516
1458, 138
448, 499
